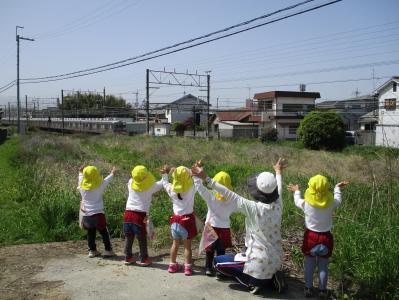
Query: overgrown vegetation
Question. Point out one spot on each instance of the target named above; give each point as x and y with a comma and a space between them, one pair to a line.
39, 201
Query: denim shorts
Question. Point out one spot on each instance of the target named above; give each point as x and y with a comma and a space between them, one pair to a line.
178, 232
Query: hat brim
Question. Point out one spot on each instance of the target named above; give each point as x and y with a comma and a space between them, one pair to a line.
259, 195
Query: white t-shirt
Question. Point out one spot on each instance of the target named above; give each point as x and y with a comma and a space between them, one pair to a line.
141, 201
318, 219
218, 211
180, 207
92, 201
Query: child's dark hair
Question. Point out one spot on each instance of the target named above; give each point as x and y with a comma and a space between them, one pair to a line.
179, 196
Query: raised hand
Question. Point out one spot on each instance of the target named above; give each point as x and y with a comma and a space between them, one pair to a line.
293, 187
165, 169
198, 172
113, 171
280, 165
342, 184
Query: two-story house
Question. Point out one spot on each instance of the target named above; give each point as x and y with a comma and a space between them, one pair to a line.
187, 107
351, 110
283, 110
387, 129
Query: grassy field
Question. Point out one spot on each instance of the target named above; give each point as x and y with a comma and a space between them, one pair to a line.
39, 201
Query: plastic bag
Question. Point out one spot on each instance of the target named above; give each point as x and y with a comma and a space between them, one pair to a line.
150, 228
199, 224
209, 236
81, 214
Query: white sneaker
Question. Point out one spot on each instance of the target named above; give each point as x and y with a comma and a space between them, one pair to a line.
94, 253
108, 253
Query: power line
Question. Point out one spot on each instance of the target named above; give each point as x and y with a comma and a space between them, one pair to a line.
121, 63
322, 70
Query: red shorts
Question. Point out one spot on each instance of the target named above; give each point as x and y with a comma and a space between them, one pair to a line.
131, 217
97, 221
224, 236
188, 222
312, 238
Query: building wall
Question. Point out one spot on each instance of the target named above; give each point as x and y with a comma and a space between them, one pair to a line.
283, 125
387, 131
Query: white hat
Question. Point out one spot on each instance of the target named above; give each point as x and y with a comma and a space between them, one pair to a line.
266, 182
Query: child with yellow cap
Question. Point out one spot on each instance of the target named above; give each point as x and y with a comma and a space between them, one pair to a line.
141, 187
218, 217
317, 246
181, 191
91, 186
260, 265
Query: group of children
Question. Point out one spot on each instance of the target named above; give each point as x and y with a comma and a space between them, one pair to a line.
260, 265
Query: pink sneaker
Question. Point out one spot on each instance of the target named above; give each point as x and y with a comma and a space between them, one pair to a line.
188, 271
173, 267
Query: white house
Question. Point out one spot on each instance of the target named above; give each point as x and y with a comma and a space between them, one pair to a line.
283, 110
387, 129
187, 107
235, 124
160, 129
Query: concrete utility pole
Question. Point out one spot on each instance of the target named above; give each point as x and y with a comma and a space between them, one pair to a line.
18, 37
147, 104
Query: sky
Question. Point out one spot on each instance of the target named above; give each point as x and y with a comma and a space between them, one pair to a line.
342, 50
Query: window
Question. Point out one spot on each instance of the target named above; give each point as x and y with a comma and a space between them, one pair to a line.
292, 128
292, 107
265, 104
390, 104
310, 107
395, 86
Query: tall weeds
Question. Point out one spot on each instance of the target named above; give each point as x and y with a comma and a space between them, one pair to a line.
40, 202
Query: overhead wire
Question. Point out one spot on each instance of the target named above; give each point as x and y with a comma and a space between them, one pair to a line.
122, 63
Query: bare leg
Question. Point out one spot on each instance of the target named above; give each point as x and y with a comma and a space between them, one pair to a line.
187, 251
173, 251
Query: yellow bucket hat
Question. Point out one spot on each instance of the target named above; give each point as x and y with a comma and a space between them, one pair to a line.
182, 180
222, 178
91, 178
143, 179
318, 194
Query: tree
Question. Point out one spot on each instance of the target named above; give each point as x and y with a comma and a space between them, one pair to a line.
322, 130
80, 100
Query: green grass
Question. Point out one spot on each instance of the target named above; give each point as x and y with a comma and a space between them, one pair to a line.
39, 200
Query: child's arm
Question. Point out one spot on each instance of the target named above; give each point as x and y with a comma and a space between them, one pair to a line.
165, 169
337, 193
107, 179
80, 176
157, 186
278, 168
299, 202
203, 191
246, 206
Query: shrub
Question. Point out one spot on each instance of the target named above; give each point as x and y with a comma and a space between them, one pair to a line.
322, 130
269, 136
179, 127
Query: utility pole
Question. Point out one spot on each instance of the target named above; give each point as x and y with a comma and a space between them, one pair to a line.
26, 110
147, 104
104, 102
18, 37
9, 113
194, 121
62, 110
208, 79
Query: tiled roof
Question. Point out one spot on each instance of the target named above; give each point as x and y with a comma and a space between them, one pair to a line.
233, 115
274, 94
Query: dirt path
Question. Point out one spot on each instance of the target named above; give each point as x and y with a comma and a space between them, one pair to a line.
63, 271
